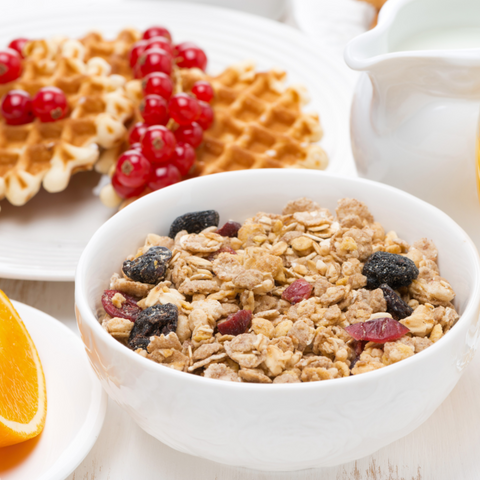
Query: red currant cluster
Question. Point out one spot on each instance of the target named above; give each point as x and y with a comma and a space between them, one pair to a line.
17, 107
49, 105
159, 157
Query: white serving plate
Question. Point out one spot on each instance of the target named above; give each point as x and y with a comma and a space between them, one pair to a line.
333, 23
44, 239
76, 405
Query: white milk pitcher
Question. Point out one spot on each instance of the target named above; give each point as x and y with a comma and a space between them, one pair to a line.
415, 109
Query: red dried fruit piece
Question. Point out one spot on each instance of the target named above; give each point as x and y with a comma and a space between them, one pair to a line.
230, 229
359, 346
129, 310
379, 330
214, 255
236, 323
296, 292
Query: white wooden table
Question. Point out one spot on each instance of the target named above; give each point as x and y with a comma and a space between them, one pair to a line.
446, 447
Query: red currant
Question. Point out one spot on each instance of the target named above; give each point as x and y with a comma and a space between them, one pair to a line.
16, 107
50, 104
132, 169
137, 49
203, 91
183, 157
158, 83
136, 133
123, 191
183, 108
10, 65
206, 115
157, 32
154, 110
160, 42
136, 146
18, 45
189, 55
163, 176
158, 144
153, 60
191, 134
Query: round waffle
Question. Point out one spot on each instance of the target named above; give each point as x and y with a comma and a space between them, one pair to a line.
49, 153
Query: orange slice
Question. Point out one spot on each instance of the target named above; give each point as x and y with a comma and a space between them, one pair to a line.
23, 396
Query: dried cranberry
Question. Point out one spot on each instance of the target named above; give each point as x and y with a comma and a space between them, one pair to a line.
214, 255
230, 229
396, 307
379, 330
236, 323
296, 292
129, 309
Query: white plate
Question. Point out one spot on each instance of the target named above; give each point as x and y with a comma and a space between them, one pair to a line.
76, 405
333, 23
43, 240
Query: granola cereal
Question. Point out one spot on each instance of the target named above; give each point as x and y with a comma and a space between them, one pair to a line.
301, 296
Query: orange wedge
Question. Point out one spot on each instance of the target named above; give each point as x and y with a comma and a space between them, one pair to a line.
23, 396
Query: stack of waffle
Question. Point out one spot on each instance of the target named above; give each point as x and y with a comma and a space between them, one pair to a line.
259, 122
99, 109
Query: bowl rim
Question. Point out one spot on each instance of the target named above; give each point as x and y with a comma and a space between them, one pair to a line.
88, 316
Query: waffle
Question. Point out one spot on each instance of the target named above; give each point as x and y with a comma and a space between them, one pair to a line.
115, 52
49, 153
259, 123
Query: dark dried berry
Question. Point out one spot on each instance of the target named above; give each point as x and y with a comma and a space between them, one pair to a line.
194, 222
389, 268
129, 309
149, 267
299, 290
358, 349
153, 321
379, 330
396, 307
230, 229
214, 255
236, 323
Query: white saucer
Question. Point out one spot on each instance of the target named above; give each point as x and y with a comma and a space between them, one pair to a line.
76, 405
44, 239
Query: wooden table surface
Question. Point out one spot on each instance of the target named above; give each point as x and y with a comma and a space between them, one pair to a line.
446, 447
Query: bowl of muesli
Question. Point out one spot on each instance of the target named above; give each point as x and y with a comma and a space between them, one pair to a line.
279, 319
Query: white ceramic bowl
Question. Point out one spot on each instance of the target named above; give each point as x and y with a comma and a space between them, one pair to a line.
289, 426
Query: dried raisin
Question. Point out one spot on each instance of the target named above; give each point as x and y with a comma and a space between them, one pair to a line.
149, 267
358, 348
390, 268
396, 307
230, 229
236, 323
194, 222
129, 309
299, 290
153, 321
379, 330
